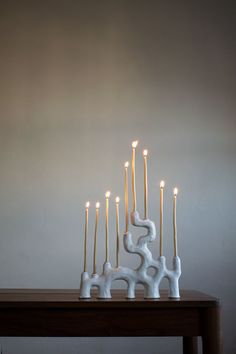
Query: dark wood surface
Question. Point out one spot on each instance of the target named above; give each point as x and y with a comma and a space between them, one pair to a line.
57, 297
45, 313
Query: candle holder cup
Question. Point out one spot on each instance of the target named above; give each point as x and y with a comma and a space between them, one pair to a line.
140, 275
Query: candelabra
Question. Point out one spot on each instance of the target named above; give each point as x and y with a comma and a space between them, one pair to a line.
150, 282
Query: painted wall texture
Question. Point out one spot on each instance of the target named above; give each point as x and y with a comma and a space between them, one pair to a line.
78, 82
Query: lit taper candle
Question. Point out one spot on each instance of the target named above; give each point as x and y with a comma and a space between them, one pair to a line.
126, 197
145, 153
117, 231
95, 239
86, 235
174, 222
107, 195
162, 185
134, 145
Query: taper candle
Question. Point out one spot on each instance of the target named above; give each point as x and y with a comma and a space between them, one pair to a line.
107, 195
117, 231
145, 153
134, 145
174, 221
126, 197
86, 235
95, 239
162, 185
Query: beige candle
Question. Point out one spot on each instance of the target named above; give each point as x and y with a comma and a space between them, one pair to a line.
95, 239
126, 197
145, 153
107, 195
117, 231
134, 145
162, 185
86, 235
174, 222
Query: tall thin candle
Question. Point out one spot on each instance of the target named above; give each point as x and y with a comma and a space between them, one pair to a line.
95, 239
145, 153
117, 231
107, 195
86, 235
162, 185
126, 198
174, 222
134, 145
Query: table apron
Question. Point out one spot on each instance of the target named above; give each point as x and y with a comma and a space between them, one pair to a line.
100, 322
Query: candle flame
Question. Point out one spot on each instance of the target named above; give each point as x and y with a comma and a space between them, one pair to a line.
117, 200
126, 164
87, 205
134, 144
175, 191
107, 195
162, 184
145, 153
97, 205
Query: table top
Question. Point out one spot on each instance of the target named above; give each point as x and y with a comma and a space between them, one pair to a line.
69, 298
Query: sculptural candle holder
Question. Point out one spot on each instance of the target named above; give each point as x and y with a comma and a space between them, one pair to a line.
140, 275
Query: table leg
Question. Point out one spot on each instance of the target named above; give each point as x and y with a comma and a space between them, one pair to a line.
211, 339
190, 345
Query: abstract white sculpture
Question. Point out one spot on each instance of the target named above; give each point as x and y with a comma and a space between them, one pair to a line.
140, 275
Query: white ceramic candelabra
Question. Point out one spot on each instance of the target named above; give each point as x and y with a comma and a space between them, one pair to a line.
140, 275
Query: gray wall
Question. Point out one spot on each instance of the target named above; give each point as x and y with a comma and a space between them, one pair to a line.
79, 81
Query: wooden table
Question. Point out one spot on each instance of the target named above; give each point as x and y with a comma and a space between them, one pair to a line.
60, 313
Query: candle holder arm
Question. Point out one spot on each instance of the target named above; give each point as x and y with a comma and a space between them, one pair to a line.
146, 223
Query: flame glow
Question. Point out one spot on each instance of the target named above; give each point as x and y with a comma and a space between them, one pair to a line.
126, 164
145, 153
97, 205
87, 205
107, 195
175, 191
117, 199
134, 144
162, 184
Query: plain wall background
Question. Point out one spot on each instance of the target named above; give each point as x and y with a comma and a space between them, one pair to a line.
79, 80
